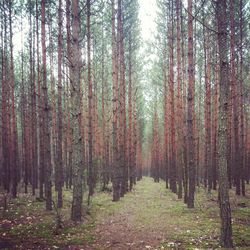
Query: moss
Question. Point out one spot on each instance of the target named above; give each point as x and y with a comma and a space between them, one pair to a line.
149, 207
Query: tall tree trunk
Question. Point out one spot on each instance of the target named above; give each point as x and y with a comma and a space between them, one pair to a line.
208, 154
90, 109
184, 114
46, 115
242, 146
190, 115
122, 101
235, 153
115, 177
225, 210
215, 127
172, 139
77, 154
179, 103
40, 111
69, 124
14, 135
5, 111
59, 113
166, 118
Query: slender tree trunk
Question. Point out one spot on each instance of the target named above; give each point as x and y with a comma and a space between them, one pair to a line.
40, 111
243, 152
77, 154
179, 103
166, 120
235, 154
69, 124
215, 127
59, 113
90, 109
225, 210
184, 115
14, 135
122, 101
115, 177
5, 111
172, 138
131, 148
46, 114
208, 151
190, 115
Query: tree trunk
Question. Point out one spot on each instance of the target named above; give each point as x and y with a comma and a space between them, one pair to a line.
172, 138
14, 135
235, 153
90, 110
59, 113
46, 115
225, 210
77, 154
115, 177
190, 115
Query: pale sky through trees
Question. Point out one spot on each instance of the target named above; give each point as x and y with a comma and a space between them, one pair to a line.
147, 17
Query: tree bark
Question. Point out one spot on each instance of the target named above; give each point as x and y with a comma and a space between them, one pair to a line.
90, 109
59, 113
115, 176
190, 115
225, 210
46, 114
77, 154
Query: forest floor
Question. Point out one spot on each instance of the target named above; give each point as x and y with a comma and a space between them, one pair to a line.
149, 217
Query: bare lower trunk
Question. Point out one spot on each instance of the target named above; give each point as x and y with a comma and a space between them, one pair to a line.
225, 210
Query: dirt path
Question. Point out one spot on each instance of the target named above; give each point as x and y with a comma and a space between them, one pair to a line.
135, 223
149, 217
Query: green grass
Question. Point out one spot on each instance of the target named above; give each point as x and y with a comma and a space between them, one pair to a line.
150, 208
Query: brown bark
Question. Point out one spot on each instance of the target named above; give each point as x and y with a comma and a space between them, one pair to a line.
115, 177
166, 120
208, 151
14, 135
179, 104
190, 114
69, 82
122, 102
215, 126
90, 109
225, 210
235, 153
172, 139
5, 111
40, 111
32, 107
46, 140
59, 113
77, 154
155, 161
184, 115
243, 154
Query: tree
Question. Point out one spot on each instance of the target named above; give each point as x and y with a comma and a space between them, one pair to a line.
59, 113
115, 159
225, 210
77, 155
172, 167
46, 115
90, 108
190, 114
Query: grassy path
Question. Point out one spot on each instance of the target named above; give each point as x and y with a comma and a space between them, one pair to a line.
149, 217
